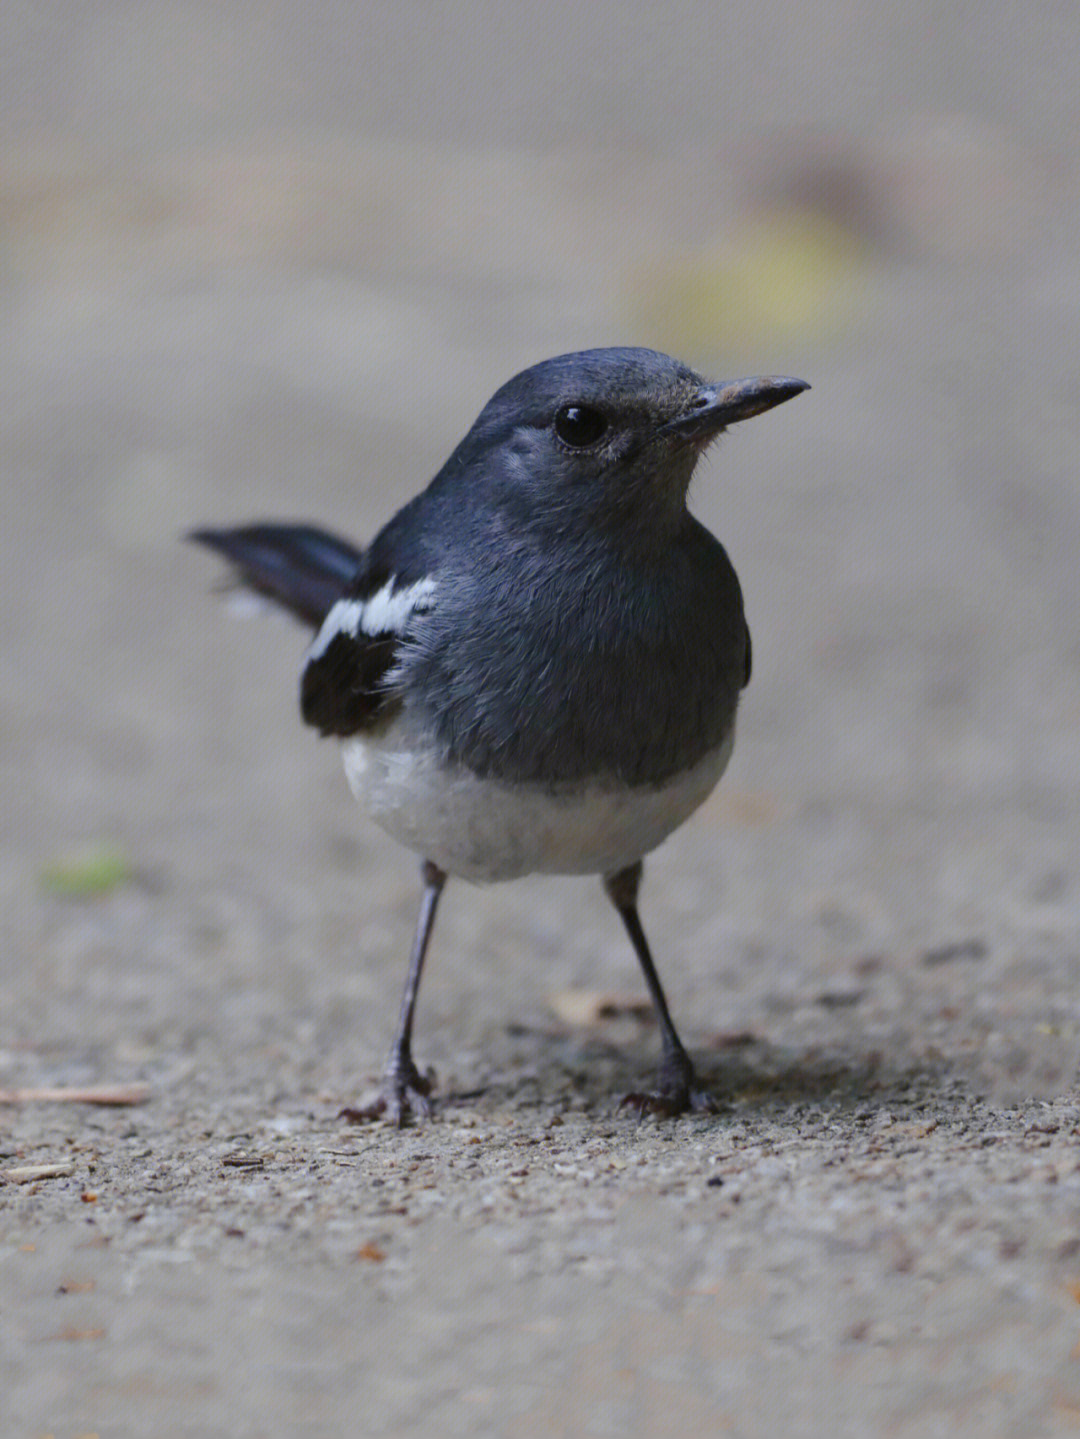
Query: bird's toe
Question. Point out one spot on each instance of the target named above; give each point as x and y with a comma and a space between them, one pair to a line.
677, 1092
403, 1095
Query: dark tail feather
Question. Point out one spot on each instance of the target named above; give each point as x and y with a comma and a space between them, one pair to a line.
302, 568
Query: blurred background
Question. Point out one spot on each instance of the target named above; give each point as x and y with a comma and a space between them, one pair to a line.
268, 260
263, 260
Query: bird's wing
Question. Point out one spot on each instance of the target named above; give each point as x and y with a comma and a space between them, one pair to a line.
347, 684
748, 663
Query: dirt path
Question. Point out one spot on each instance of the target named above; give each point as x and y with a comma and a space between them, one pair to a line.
870, 934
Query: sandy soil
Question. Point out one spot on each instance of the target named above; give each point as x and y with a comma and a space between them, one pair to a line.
257, 264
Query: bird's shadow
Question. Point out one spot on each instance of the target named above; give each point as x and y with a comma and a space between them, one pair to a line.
589, 1071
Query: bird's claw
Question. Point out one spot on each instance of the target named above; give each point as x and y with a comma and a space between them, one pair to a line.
403, 1095
677, 1092
669, 1104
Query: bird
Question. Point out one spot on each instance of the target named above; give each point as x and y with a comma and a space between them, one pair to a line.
535, 666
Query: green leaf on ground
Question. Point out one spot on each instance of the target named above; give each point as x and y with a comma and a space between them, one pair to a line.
96, 870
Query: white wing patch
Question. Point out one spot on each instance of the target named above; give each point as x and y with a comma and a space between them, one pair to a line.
386, 612
343, 619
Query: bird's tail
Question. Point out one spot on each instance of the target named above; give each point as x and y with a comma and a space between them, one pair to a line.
301, 568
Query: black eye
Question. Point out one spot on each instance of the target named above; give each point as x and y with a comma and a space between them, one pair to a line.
579, 425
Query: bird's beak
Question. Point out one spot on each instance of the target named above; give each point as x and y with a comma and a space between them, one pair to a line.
717, 406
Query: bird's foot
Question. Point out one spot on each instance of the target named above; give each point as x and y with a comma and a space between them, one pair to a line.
404, 1094
677, 1092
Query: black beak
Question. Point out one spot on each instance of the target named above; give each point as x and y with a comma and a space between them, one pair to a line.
718, 406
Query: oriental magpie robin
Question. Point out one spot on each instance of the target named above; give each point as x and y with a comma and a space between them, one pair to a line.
535, 666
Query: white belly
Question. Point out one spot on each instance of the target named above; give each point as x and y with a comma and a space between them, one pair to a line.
483, 829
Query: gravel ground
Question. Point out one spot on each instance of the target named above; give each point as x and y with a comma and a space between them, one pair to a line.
256, 264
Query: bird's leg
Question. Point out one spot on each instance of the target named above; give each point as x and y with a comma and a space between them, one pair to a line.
677, 1089
404, 1089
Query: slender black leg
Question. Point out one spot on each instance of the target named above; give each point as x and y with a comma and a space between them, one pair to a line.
404, 1089
676, 1089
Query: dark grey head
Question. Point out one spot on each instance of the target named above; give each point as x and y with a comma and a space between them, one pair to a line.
619, 430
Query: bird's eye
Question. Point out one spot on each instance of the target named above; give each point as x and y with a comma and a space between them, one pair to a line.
579, 425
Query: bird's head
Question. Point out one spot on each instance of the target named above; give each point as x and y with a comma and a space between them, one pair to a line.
614, 431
